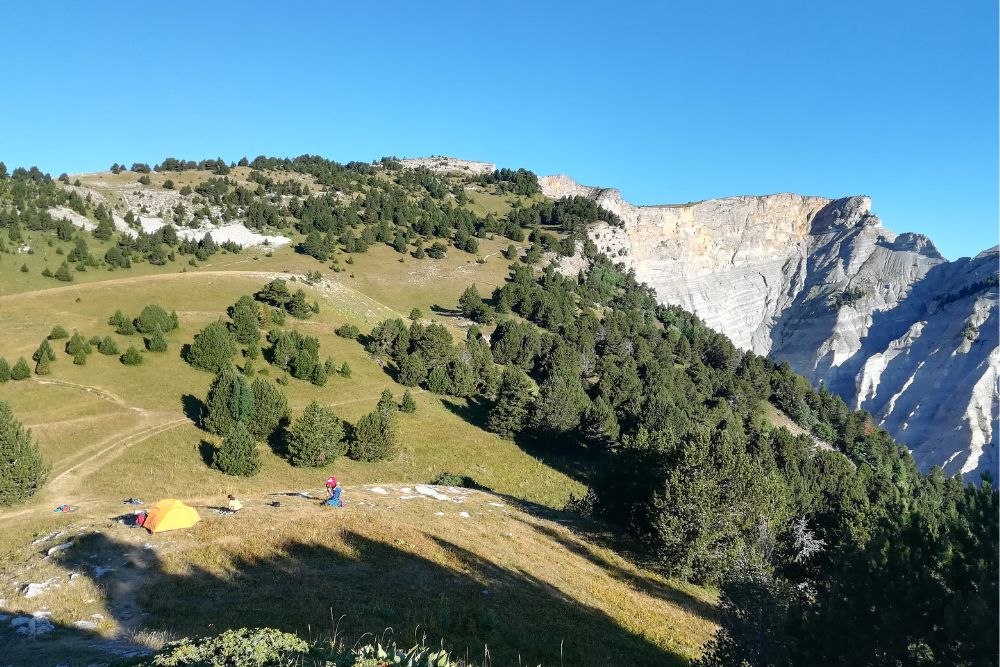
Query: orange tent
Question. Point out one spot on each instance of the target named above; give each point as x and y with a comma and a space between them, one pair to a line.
170, 514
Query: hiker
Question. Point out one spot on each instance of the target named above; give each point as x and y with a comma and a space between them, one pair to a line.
140, 517
333, 493
234, 504
331, 484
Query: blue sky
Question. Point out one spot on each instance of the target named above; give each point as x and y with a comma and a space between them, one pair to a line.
668, 101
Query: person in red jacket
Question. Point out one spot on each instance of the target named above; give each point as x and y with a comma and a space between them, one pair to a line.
331, 484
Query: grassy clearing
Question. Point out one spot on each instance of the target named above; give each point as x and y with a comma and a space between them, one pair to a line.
522, 584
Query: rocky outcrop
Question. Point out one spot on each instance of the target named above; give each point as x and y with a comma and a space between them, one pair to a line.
447, 165
883, 319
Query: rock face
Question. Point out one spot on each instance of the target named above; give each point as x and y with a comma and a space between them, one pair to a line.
883, 319
446, 165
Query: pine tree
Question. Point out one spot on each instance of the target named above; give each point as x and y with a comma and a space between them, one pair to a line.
42, 367
561, 402
153, 316
513, 405
132, 357
4, 370
212, 349
123, 325
58, 332
412, 370
80, 358
408, 404
22, 470
156, 342
376, 435
270, 409
319, 376
298, 307
238, 454
63, 273
345, 370
44, 351
78, 345
246, 321
316, 438
229, 401
21, 370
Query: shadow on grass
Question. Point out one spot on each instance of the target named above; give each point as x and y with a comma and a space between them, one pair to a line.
192, 407
299, 586
207, 452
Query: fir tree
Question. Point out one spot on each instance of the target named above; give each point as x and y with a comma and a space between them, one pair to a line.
412, 370
58, 332
513, 404
408, 404
22, 470
229, 400
63, 273
246, 321
376, 435
270, 409
156, 342
316, 438
21, 370
44, 351
42, 367
345, 370
238, 454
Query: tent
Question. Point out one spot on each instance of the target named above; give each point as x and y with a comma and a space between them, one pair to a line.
170, 514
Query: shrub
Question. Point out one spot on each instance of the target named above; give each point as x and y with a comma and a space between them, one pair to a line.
260, 647
408, 404
4, 370
42, 367
345, 370
153, 316
63, 273
451, 479
44, 351
107, 346
21, 370
212, 349
156, 342
415, 314
22, 470
58, 332
78, 345
123, 325
316, 438
132, 357
238, 454
348, 331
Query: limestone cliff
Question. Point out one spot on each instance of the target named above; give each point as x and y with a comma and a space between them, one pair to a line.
883, 319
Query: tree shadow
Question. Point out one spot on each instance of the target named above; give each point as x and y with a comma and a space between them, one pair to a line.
192, 407
207, 452
300, 586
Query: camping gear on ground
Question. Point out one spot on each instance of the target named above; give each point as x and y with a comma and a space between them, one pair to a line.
275, 504
334, 499
170, 514
132, 501
66, 508
140, 518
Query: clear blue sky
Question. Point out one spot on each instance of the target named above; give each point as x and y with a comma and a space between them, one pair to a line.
668, 101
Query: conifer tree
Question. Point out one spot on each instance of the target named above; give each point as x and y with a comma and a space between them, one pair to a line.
345, 370
4, 371
58, 332
412, 370
226, 400
22, 470
21, 370
376, 435
246, 321
156, 342
513, 405
123, 325
78, 345
212, 349
44, 351
270, 409
408, 404
42, 367
63, 273
238, 454
316, 438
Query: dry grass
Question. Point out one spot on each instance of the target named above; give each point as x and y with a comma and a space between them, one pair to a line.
518, 580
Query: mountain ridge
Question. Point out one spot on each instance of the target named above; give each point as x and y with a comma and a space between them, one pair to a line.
880, 318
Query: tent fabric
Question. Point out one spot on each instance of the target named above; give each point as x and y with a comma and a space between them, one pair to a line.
170, 514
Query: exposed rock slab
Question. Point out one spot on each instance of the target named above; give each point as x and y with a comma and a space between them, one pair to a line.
883, 319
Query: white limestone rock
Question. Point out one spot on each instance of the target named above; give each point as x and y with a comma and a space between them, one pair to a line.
883, 319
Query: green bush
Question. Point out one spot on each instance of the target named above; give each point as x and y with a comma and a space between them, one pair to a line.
58, 331
108, 346
260, 647
132, 357
21, 370
348, 331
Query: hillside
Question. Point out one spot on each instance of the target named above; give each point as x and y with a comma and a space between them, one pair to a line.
518, 449
882, 319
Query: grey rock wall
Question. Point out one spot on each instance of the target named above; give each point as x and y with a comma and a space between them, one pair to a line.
883, 319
